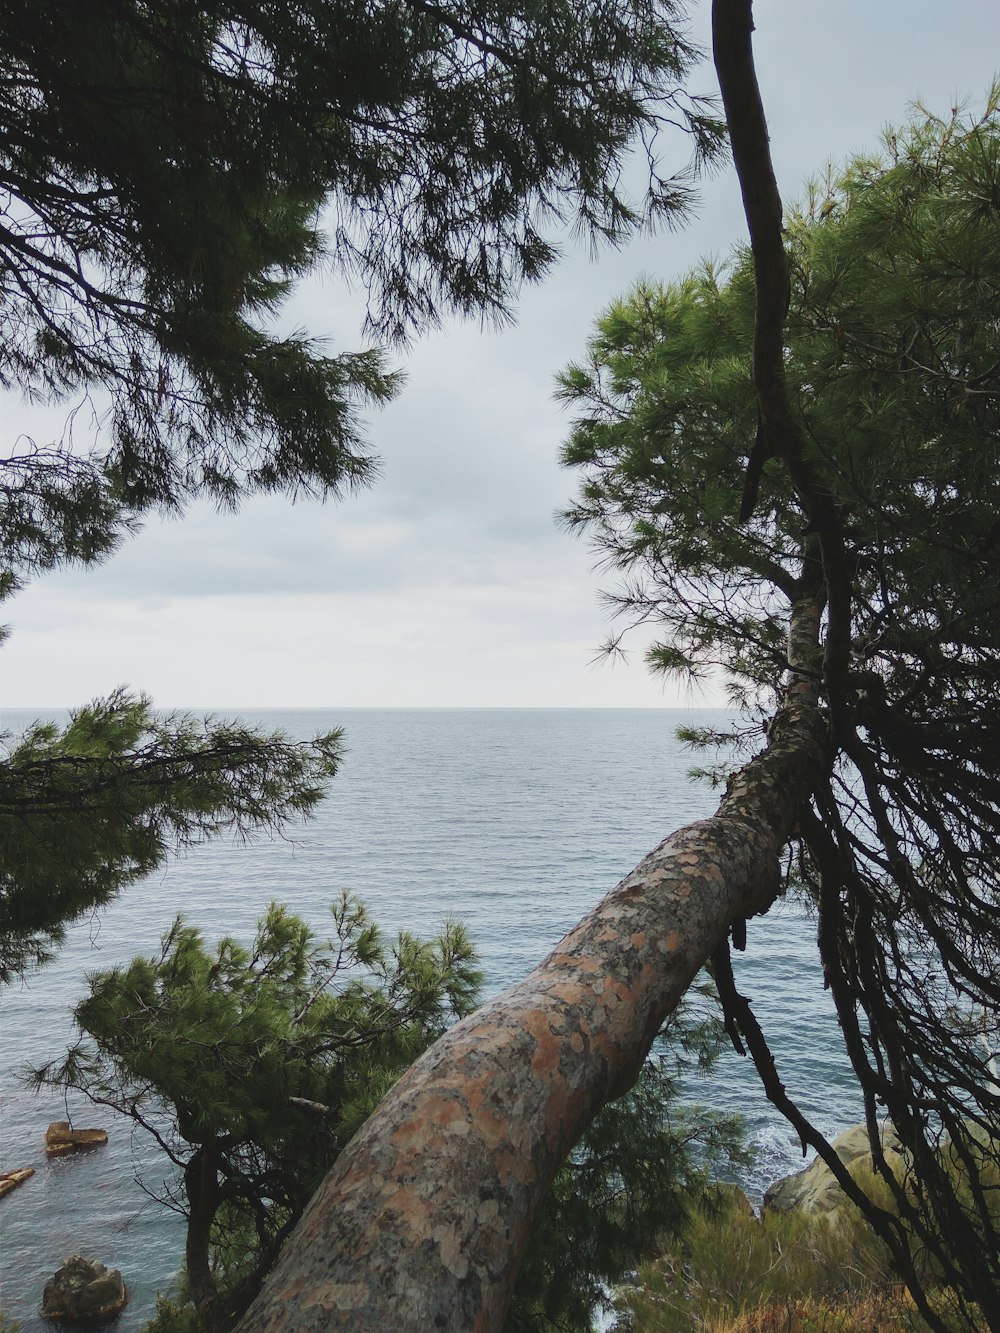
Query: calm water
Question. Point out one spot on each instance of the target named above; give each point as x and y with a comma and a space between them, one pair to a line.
515, 821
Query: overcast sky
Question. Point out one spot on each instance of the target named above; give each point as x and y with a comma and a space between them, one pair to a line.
449, 583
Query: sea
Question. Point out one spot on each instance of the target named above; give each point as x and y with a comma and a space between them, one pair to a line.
514, 821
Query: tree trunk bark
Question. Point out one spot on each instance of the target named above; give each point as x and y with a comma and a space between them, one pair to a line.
422, 1222
201, 1184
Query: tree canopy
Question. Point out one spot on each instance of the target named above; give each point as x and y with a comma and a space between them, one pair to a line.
793, 462
91, 807
252, 1066
890, 361
172, 170
168, 173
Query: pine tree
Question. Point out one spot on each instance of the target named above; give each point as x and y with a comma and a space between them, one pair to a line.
253, 1066
169, 172
94, 806
794, 464
890, 364
172, 170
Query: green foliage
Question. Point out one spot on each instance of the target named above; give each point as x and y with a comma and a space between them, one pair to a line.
892, 363
91, 807
892, 366
785, 1272
174, 1315
171, 172
168, 175
253, 1066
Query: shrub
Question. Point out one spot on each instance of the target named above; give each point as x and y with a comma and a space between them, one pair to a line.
776, 1270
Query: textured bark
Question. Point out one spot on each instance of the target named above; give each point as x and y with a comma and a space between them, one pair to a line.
422, 1221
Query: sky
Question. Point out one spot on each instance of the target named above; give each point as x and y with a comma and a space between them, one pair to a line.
449, 583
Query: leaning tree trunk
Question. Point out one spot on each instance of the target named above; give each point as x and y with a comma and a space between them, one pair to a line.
424, 1218
422, 1221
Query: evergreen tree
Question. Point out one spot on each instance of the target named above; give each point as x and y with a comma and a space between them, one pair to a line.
252, 1068
171, 170
794, 464
168, 173
96, 805
890, 360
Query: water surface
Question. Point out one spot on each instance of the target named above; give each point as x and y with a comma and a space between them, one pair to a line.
515, 821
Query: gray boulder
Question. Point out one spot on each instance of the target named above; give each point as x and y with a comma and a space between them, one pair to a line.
84, 1291
815, 1189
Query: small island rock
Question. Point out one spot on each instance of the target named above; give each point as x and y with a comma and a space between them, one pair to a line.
60, 1137
9, 1180
84, 1290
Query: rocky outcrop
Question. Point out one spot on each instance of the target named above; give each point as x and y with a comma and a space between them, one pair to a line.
9, 1180
61, 1137
815, 1189
84, 1291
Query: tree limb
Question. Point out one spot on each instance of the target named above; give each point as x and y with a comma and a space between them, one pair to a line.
423, 1220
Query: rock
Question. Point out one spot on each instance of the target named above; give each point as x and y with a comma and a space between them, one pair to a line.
84, 1290
815, 1190
9, 1180
61, 1137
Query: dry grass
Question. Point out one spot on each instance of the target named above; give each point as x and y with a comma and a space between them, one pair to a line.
785, 1273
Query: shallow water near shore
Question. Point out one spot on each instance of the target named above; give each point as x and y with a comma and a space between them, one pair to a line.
514, 821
